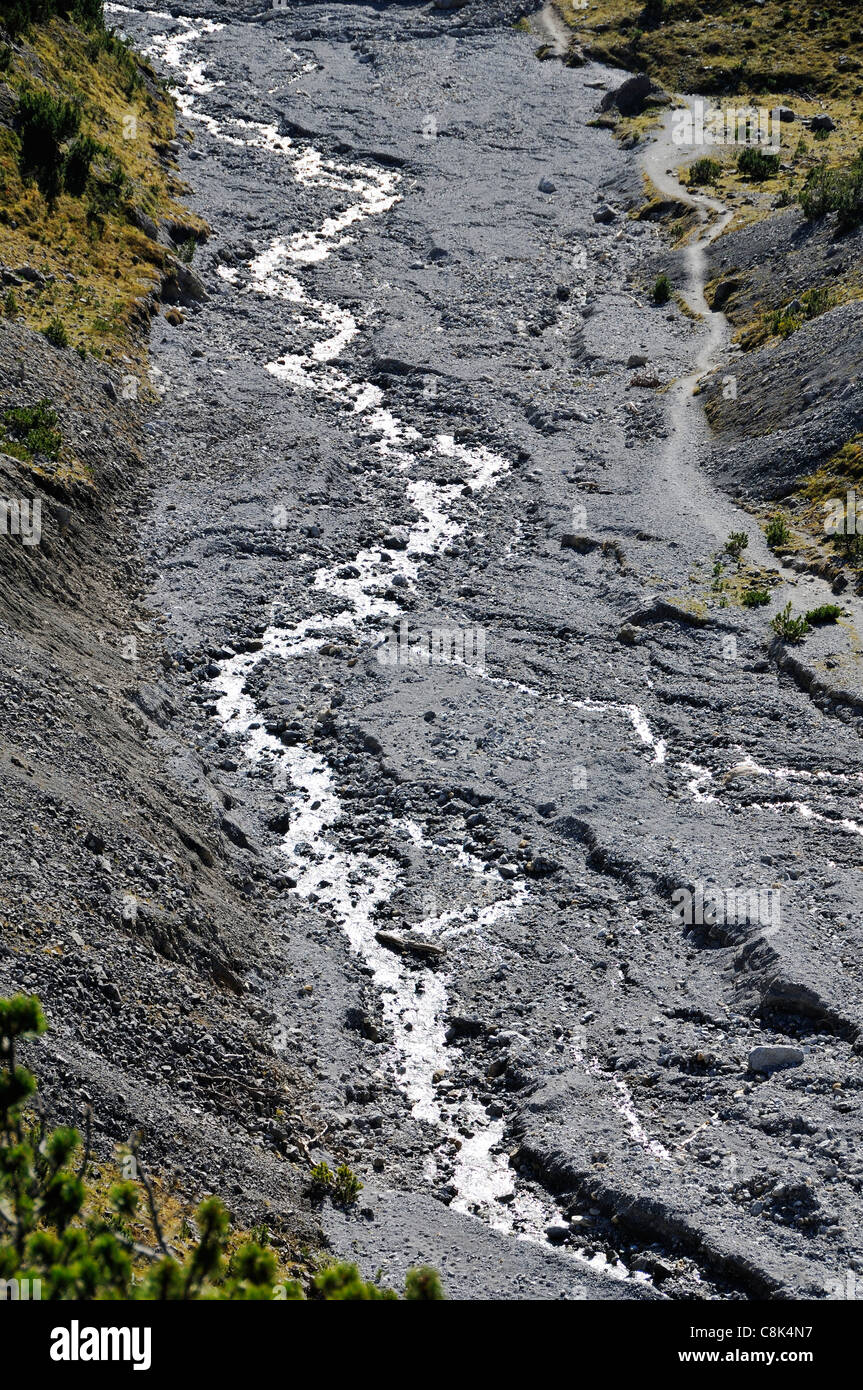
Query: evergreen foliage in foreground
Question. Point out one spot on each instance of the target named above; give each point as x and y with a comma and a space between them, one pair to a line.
17, 15
47, 1238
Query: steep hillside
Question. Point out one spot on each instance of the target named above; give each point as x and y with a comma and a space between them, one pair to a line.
727, 47
122, 905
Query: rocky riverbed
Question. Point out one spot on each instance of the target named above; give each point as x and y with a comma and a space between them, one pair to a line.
539, 841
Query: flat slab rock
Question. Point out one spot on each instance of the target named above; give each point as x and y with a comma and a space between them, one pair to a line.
772, 1058
410, 945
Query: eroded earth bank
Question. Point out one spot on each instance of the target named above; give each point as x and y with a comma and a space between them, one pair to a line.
433, 549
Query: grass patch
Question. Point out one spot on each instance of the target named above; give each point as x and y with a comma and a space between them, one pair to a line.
735, 53
812, 303
842, 472
729, 47
828, 517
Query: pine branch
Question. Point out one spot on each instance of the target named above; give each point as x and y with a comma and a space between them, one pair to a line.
148, 1188
88, 1135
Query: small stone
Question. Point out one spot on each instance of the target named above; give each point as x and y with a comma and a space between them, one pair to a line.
546, 186
605, 214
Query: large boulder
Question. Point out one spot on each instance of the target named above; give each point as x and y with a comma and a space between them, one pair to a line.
630, 97
773, 1058
182, 286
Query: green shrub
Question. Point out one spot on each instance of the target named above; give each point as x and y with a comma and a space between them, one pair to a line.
106, 193
823, 614
34, 429
15, 17
48, 1237
661, 289
777, 532
756, 164
787, 628
76, 164
423, 1285
755, 598
10, 304
655, 12
88, 13
851, 546
44, 123
737, 543
19, 15
342, 1185
704, 171
56, 333
322, 1179
828, 190
347, 1186
342, 1282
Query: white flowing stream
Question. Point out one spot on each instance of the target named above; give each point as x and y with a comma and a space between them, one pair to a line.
352, 884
